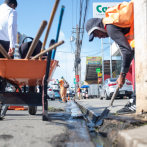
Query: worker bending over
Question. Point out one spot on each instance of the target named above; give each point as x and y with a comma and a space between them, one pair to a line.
119, 26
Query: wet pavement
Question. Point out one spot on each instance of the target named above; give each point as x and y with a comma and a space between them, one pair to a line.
94, 107
115, 128
67, 128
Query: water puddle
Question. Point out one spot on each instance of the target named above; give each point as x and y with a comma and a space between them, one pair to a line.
99, 140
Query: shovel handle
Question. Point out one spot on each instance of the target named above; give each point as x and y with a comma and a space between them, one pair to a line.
114, 96
36, 39
50, 21
49, 25
47, 50
3, 51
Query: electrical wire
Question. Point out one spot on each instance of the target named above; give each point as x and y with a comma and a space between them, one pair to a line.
72, 13
76, 10
92, 50
85, 14
96, 53
65, 52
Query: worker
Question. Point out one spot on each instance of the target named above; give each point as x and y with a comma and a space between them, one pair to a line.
63, 90
79, 92
8, 29
86, 91
122, 32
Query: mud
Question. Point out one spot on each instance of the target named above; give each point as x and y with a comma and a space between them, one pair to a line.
113, 124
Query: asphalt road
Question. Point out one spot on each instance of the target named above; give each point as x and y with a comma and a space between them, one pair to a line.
69, 129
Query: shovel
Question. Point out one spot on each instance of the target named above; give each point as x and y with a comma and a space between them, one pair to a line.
105, 113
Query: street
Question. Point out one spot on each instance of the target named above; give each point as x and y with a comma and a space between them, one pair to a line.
65, 128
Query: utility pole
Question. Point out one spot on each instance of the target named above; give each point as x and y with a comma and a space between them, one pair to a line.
110, 57
77, 58
102, 61
140, 25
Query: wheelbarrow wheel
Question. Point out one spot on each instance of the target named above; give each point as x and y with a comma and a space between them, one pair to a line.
32, 110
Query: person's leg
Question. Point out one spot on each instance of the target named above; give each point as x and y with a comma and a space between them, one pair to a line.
65, 94
130, 107
62, 94
5, 45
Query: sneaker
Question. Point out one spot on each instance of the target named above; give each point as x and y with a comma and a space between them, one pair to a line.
60, 101
130, 107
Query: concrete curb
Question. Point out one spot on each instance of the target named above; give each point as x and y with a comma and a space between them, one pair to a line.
93, 117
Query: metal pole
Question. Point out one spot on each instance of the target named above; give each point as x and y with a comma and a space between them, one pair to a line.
110, 57
58, 29
102, 60
98, 84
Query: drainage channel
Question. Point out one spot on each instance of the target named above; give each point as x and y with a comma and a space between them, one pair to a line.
96, 137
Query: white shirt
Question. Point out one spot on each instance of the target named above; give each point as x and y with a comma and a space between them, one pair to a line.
8, 24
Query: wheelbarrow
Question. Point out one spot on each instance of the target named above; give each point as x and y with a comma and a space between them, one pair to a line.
28, 72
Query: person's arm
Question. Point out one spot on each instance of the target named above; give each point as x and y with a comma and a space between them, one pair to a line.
12, 31
127, 53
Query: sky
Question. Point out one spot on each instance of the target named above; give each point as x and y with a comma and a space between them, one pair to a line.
32, 12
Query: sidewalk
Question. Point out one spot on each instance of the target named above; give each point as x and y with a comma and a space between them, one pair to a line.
120, 130
18, 128
94, 107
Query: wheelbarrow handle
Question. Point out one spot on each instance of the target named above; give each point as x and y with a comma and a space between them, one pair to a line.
114, 96
3, 51
49, 49
36, 39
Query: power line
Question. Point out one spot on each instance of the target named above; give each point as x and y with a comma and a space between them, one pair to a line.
85, 14
93, 50
72, 13
96, 53
65, 52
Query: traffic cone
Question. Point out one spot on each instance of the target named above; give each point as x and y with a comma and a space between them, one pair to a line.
68, 97
17, 108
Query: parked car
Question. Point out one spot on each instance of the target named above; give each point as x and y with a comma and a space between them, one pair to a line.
110, 85
69, 92
51, 93
10, 89
57, 93
73, 93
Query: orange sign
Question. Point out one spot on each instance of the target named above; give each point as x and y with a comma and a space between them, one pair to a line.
100, 80
77, 78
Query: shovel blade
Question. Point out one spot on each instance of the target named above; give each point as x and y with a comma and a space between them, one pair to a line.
103, 115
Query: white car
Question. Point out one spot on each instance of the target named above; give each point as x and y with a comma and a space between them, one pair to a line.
110, 85
51, 93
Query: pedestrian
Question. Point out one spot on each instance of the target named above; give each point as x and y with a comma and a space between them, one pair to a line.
63, 90
122, 32
79, 92
8, 26
86, 91
8, 29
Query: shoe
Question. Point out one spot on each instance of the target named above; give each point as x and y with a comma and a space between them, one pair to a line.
60, 101
130, 107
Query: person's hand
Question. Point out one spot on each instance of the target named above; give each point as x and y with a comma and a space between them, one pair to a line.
11, 51
121, 81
